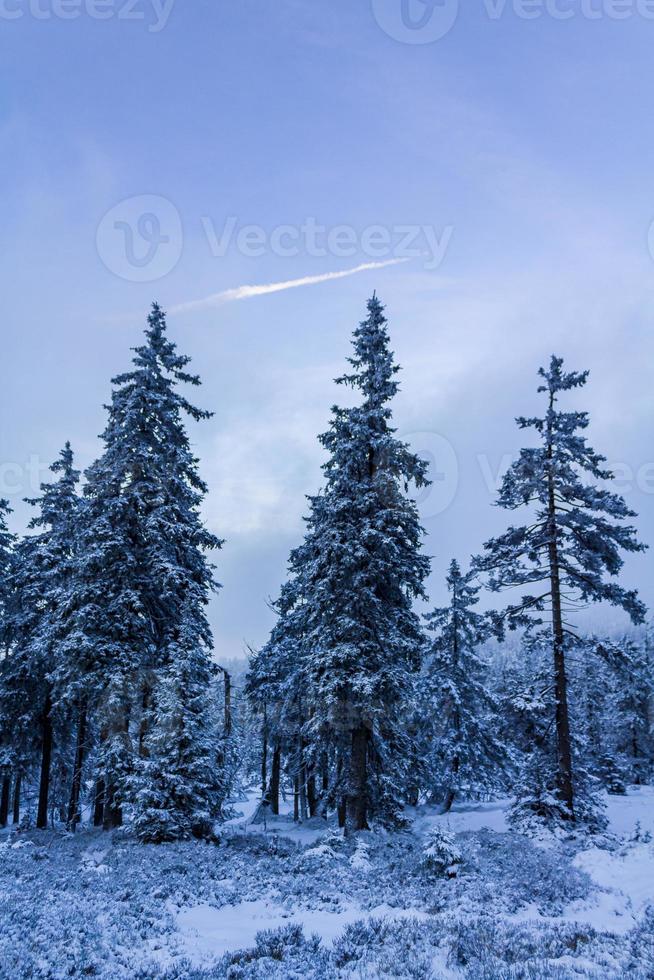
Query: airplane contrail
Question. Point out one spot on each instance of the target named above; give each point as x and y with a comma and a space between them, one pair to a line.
246, 292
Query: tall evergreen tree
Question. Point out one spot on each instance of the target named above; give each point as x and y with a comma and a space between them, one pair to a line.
354, 579
43, 569
7, 543
137, 624
570, 545
462, 749
274, 684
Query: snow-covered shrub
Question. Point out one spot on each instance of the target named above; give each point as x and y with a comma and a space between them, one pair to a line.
278, 953
509, 871
360, 860
440, 852
538, 807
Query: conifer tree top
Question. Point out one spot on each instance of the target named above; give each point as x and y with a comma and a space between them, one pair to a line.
581, 520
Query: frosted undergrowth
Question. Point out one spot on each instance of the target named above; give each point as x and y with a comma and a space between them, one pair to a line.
261, 905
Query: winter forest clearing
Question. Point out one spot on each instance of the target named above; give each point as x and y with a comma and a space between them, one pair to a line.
311, 903
380, 790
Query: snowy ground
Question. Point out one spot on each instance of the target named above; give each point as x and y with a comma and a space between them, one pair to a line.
302, 902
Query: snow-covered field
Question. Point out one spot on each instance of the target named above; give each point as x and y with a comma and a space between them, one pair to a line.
303, 902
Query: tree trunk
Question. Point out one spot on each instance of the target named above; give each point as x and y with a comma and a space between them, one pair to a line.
303, 794
413, 795
302, 780
312, 796
357, 803
296, 799
16, 817
228, 703
450, 796
448, 801
112, 811
564, 751
98, 804
264, 753
74, 815
4, 800
46, 759
274, 779
325, 773
341, 807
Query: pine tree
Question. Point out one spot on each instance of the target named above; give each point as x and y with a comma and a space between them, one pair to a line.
460, 712
273, 686
7, 758
43, 567
178, 785
617, 692
353, 582
569, 547
137, 626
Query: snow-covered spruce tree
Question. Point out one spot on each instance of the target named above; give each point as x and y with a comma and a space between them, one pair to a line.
7, 754
353, 582
460, 712
273, 686
43, 569
137, 624
570, 544
616, 696
7, 544
178, 786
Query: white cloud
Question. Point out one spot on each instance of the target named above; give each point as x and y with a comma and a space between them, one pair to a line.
247, 292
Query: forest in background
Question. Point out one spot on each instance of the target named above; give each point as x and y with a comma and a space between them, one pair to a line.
112, 705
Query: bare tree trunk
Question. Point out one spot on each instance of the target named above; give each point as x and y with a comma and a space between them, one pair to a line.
264, 753
74, 816
112, 811
302, 779
228, 703
564, 751
46, 759
16, 818
4, 800
325, 773
357, 803
413, 795
312, 796
341, 807
296, 799
274, 779
448, 801
98, 804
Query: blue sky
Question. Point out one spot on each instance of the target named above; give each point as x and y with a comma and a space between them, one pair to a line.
522, 147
